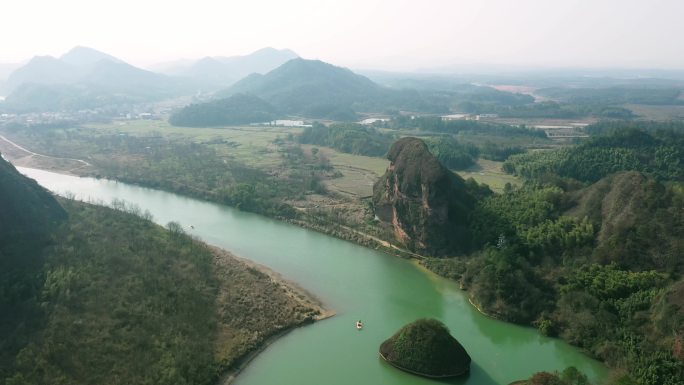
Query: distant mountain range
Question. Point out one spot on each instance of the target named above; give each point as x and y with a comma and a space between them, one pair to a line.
308, 87
82, 65
221, 71
84, 78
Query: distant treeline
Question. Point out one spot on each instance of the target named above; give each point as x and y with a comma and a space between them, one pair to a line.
237, 109
358, 139
348, 137
437, 124
614, 95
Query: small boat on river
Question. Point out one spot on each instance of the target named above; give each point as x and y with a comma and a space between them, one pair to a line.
359, 325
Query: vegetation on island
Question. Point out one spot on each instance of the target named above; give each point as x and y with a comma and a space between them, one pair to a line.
426, 347
114, 299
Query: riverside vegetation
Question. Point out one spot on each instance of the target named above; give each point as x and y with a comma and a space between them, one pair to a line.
593, 259
105, 296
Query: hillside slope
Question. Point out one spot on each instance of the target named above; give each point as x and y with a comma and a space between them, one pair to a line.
112, 298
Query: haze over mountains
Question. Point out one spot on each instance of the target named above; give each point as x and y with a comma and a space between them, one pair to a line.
311, 89
79, 65
87, 66
225, 70
284, 85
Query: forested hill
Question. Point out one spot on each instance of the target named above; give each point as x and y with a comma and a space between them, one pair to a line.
311, 88
589, 249
28, 216
316, 89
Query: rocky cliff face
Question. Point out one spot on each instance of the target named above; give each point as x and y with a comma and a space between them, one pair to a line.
426, 205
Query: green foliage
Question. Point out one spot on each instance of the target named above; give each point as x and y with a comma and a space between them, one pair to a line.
569, 376
607, 283
348, 137
506, 286
514, 212
657, 153
181, 166
553, 237
534, 269
237, 109
451, 153
610, 311
125, 303
436, 124
28, 216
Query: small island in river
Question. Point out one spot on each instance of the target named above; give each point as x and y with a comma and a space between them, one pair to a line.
426, 348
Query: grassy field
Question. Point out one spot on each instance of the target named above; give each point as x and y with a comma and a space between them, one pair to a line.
657, 112
490, 173
358, 172
255, 147
250, 145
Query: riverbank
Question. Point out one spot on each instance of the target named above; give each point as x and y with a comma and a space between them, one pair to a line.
23, 157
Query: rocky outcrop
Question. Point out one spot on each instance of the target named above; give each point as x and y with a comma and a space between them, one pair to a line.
426, 205
426, 348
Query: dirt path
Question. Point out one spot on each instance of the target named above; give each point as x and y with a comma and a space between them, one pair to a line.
31, 154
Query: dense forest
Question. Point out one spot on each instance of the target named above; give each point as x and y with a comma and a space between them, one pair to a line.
655, 151
589, 249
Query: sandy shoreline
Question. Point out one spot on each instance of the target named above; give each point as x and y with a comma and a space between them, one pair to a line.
293, 290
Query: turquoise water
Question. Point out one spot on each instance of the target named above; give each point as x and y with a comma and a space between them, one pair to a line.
358, 283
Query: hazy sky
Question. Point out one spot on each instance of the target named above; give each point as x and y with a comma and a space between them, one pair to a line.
391, 34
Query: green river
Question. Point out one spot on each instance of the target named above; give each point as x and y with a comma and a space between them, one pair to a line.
385, 292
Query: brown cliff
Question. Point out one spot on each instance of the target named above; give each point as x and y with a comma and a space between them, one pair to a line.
426, 205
